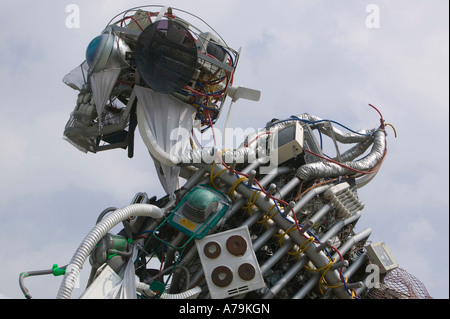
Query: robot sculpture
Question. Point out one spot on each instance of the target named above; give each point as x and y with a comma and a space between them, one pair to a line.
273, 218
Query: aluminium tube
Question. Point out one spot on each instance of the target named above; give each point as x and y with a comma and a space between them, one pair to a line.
171, 249
315, 170
264, 181
319, 259
283, 281
306, 288
350, 271
94, 236
320, 213
333, 230
344, 248
282, 192
261, 240
349, 243
355, 265
282, 251
346, 138
355, 151
308, 196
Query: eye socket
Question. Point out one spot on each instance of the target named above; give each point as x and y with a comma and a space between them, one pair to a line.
106, 51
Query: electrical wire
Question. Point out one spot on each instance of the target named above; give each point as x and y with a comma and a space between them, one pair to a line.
348, 167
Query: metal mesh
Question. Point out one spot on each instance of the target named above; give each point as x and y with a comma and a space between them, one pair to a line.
399, 284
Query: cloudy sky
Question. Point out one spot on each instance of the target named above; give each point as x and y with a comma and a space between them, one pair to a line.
320, 57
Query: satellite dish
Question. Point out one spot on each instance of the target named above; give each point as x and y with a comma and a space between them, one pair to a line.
241, 92
166, 56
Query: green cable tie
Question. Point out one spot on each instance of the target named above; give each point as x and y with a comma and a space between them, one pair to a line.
58, 271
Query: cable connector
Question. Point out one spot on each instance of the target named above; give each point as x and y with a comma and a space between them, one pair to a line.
58, 271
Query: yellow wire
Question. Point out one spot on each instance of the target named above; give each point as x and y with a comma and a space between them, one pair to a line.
319, 269
395, 131
284, 234
240, 180
324, 273
252, 201
212, 177
266, 218
303, 247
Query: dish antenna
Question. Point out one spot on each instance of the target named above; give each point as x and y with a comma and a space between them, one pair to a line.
166, 56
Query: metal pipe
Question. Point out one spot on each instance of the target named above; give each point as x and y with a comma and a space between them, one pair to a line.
235, 208
264, 181
306, 288
320, 213
341, 137
288, 187
327, 169
308, 196
319, 259
287, 245
261, 240
333, 230
345, 247
355, 265
291, 273
170, 253
283, 192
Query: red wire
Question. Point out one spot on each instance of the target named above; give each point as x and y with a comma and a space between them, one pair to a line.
381, 116
282, 201
126, 18
275, 199
347, 167
264, 133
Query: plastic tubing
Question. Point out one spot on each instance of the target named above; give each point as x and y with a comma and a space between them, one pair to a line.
94, 236
188, 294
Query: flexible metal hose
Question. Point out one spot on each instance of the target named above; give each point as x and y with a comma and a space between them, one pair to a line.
311, 171
94, 236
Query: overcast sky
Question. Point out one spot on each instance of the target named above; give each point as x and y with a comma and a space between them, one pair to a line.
318, 57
